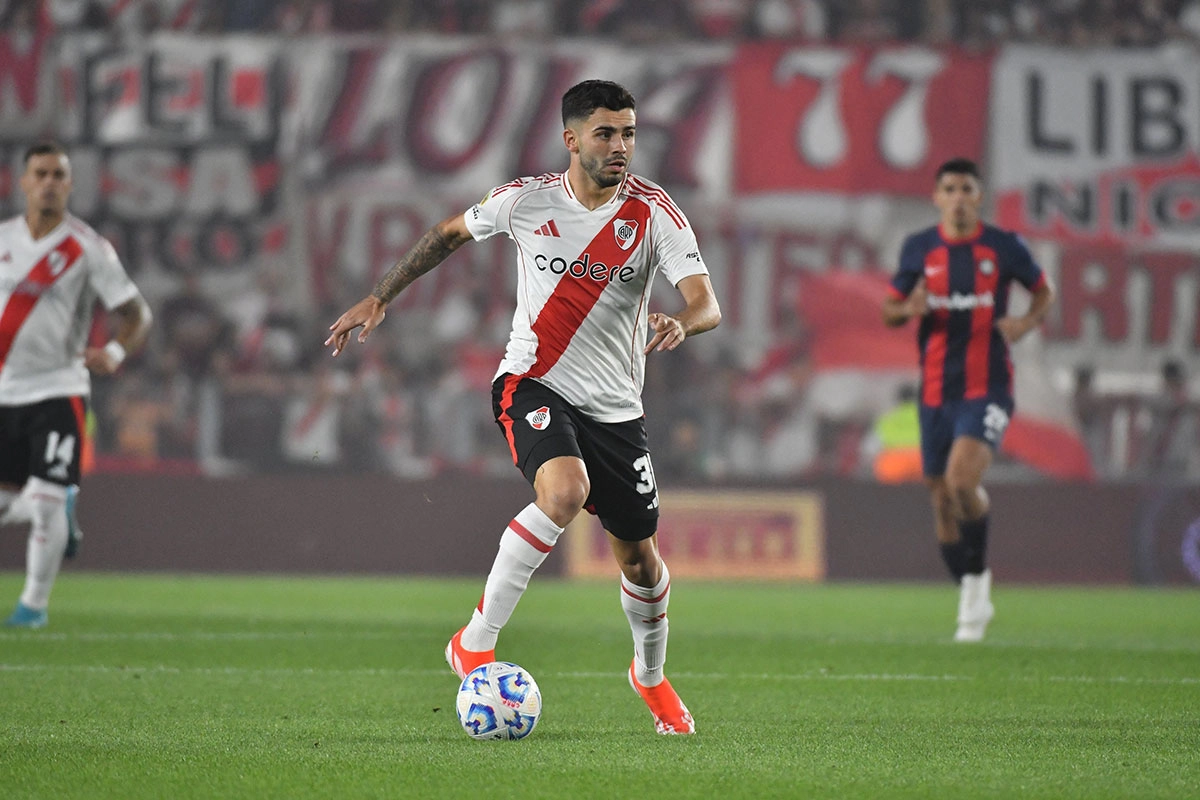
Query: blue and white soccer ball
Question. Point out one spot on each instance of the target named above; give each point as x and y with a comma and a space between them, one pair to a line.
499, 701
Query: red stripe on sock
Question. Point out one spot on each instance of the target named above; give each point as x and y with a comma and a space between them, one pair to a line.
625, 589
527, 535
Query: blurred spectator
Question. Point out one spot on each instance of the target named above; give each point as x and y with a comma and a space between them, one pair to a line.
684, 456
635, 20
141, 412
247, 16
525, 18
358, 15
868, 21
790, 19
720, 19
194, 329
22, 17
1172, 448
311, 435
450, 16
294, 17
1189, 19
72, 15
972, 23
982, 23
894, 444
1092, 416
382, 422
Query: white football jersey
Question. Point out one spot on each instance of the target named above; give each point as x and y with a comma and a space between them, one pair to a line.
48, 289
583, 284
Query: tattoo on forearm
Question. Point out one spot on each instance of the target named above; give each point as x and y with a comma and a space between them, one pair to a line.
431, 250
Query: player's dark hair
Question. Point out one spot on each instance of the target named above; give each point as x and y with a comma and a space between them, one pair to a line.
583, 98
958, 166
44, 148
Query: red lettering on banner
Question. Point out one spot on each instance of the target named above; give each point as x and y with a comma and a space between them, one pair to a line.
191, 93
323, 248
249, 88
1094, 279
1165, 271
431, 107
1127, 205
360, 66
854, 119
21, 69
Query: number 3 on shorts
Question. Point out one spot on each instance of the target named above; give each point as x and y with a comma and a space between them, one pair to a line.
646, 484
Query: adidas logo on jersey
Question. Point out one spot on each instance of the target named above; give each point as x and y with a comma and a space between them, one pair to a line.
549, 229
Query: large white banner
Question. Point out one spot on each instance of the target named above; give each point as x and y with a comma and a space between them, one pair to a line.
1098, 146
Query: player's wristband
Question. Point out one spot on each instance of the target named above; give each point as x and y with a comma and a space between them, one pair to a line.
115, 351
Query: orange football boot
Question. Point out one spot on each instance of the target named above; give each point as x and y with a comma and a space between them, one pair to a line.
670, 714
461, 660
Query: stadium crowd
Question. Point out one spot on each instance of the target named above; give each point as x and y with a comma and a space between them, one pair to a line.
236, 379
974, 23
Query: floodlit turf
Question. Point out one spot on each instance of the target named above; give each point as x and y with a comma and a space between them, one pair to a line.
263, 687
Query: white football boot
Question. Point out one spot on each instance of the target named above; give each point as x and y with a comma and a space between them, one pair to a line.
975, 608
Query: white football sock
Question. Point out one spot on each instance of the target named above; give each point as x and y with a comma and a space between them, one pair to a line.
646, 609
523, 547
13, 508
47, 540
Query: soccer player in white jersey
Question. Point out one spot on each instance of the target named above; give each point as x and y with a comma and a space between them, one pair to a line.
53, 269
567, 395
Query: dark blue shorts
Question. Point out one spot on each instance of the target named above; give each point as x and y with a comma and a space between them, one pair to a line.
985, 419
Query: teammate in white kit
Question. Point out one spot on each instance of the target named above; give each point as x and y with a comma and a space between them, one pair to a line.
567, 395
53, 269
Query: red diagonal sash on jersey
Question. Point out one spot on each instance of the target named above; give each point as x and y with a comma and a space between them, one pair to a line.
43, 275
572, 298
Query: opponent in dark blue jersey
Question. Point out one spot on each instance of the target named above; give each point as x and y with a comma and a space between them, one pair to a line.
956, 277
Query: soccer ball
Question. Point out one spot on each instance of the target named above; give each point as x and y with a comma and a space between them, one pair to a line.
499, 701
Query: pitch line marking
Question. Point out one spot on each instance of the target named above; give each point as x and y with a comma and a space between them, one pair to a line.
250, 636
713, 676
166, 636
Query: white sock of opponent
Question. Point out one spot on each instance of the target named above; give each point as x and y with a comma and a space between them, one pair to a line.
523, 547
646, 609
47, 540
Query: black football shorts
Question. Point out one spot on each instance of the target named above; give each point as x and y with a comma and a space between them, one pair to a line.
540, 425
43, 440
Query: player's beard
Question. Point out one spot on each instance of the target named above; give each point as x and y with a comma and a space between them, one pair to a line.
594, 167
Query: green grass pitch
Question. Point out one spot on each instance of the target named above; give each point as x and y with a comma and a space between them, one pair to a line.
154, 686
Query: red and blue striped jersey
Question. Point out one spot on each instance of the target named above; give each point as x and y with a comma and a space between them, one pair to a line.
963, 356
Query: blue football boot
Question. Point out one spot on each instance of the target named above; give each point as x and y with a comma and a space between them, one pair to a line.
25, 617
